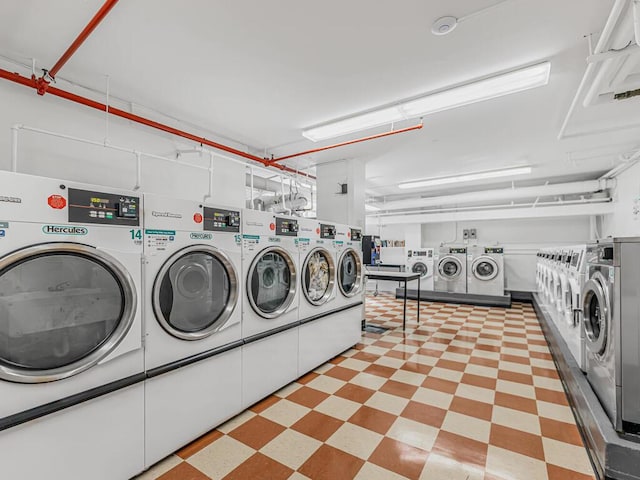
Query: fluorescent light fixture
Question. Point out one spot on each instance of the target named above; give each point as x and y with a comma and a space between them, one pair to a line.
478, 91
371, 208
467, 177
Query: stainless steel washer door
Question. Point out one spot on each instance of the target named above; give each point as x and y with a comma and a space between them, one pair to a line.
195, 292
450, 267
421, 268
485, 268
350, 273
596, 311
63, 308
318, 276
271, 282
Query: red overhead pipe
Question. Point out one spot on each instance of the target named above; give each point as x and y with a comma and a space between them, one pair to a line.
350, 142
42, 82
33, 83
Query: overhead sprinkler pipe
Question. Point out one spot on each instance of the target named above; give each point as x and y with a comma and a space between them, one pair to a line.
343, 144
32, 83
43, 82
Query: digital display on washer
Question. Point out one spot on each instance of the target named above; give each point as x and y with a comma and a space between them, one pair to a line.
287, 227
221, 220
87, 206
327, 231
420, 253
356, 235
457, 250
494, 250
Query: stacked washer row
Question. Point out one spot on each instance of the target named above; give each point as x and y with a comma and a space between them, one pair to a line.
475, 270
132, 361
592, 292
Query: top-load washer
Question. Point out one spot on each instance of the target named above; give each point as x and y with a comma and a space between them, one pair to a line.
451, 270
610, 306
421, 261
70, 330
485, 270
192, 320
270, 266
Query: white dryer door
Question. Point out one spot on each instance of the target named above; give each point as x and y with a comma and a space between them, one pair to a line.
350, 273
271, 282
318, 276
596, 311
422, 269
485, 268
63, 308
449, 267
195, 292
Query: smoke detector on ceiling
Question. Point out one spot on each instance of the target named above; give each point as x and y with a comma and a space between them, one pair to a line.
444, 25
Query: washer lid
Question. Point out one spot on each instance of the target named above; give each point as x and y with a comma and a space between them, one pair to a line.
450, 267
485, 268
195, 292
63, 308
271, 282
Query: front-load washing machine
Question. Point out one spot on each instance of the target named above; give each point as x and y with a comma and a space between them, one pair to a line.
71, 355
485, 270
553, 282
451, 270
561, 286
610, 306
421, 261
270, 303
320, 329
192, 321
571, 311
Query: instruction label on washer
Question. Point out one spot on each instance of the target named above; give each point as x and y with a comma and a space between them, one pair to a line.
159, 239
303, 244
250, 242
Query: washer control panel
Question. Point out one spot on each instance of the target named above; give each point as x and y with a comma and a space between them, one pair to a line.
457, 250
356, 235
86, 206
327, 231
287, 227
221, 220
494, 250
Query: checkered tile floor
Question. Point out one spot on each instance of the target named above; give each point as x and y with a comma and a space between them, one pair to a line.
471, 393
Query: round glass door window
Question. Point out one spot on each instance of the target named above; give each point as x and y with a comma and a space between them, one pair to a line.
195, 292
485, 269
420, 268
450, 267
318, 279
63, 307
595, 312
349, 273
271, 282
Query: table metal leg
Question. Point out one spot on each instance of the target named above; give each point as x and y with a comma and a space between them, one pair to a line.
418, 315
404, 311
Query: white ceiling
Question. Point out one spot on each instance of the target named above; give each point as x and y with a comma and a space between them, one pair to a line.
259, 72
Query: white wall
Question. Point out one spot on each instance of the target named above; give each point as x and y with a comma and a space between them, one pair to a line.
53, 157
625, 222
521, 240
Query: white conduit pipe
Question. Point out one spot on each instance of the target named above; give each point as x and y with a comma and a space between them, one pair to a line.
616, 11
636, 20
137, 154
498, 194
209, 194
252, 198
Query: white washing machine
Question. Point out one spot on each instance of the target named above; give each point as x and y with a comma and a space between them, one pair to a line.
192, 321
553, 280
571, 313
421, 261
485, 270
451, 270
71, 357
561, 286
320, 333
270, 323
610, 306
